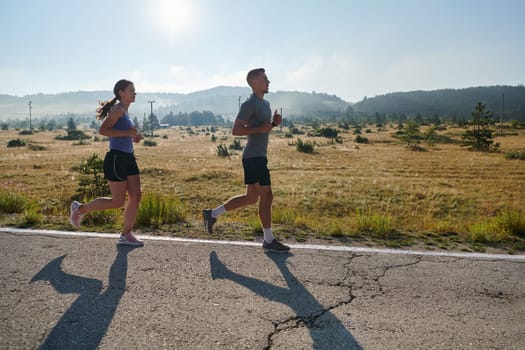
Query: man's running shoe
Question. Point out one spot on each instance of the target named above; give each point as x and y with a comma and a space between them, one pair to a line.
129, 239
276, 247
209, 220
75, 216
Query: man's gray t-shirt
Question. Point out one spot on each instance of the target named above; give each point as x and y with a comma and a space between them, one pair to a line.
255, 112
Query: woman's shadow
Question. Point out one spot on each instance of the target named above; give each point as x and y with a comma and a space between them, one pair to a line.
326, 330
86, 322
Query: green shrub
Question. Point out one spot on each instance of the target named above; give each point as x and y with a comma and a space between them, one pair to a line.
485, 232
304, 147
236, 145
156, 210
361, 139
16, 143
149, 143
32, 215
512, 221
73, 134
12, 202
283, 215
498, 228
34, 147
515, 155
222, 151
330, 133
110, 217
374, 223
255, 223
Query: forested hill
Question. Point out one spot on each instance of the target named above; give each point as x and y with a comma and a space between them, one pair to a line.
449, 102
222, 100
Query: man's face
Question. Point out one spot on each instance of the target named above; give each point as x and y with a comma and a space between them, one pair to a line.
261, 83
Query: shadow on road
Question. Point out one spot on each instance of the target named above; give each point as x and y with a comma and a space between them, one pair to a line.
326, 330
85, 323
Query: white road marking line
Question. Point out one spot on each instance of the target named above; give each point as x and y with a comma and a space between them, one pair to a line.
255, 244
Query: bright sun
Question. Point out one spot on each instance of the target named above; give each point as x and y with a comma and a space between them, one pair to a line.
173, 17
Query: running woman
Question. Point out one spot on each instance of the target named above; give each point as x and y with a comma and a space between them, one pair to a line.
120, 165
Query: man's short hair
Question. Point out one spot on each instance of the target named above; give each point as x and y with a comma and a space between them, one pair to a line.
254, 73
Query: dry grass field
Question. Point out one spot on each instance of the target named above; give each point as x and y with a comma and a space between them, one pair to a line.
379, 193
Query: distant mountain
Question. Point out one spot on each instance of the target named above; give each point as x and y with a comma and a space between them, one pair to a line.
224, 101
449, 102
220, 100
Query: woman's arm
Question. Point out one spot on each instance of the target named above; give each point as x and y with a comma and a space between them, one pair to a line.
106, 129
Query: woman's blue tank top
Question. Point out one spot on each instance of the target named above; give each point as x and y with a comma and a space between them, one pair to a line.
122, 143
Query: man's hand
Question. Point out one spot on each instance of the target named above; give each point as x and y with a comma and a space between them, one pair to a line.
277, 119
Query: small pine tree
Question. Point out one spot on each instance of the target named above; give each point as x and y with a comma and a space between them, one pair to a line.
431, 136
91, 183
411, 135
479, 138
71, 125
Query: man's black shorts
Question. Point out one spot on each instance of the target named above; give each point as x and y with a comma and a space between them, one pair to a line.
256, 171
119, 165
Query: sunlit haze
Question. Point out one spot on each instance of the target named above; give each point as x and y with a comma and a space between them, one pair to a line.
346, 48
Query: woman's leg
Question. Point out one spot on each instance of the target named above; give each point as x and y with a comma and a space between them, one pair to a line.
118, 196
132, 207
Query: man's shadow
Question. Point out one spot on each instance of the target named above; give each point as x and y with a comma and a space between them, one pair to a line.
330, 334
86, 321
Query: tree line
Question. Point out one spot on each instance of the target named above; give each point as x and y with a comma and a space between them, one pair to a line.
507, 102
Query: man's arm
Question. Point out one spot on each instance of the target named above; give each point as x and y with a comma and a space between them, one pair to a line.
240, 128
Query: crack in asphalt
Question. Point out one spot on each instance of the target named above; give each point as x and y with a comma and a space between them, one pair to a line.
309, 321
387, 268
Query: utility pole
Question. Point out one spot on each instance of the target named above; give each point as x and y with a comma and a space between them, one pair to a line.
151, 115
30, 102
281, 126
502, 112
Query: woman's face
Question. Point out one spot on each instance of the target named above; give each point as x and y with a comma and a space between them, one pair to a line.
128, 94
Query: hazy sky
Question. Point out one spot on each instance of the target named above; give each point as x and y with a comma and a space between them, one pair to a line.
347, 48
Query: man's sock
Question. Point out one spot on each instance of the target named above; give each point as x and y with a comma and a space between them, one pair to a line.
218, 211
268, 235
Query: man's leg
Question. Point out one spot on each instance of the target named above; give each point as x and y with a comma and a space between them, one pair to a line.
265, 205
251, 196
265, 213
210, 215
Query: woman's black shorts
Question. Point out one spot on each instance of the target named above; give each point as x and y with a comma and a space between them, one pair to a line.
119, 165
256, 171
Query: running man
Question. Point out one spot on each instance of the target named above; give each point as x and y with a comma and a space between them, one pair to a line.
254, 121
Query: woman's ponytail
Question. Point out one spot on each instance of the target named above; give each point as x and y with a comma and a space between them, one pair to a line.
105, 106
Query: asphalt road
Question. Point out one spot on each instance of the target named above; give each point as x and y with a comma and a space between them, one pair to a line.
78, 292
